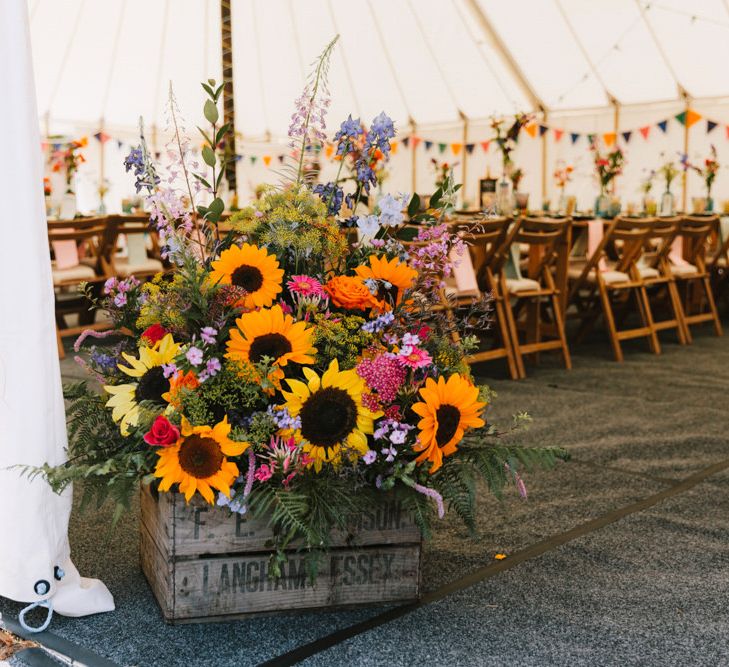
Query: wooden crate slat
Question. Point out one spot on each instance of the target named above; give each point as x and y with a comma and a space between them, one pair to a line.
198, 528
238, 585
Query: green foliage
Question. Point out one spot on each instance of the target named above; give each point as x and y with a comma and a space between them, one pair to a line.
108, 465
224, 393
341, 339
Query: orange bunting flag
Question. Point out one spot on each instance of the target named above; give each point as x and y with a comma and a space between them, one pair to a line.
609, 138
645, 131
531, 130
267, 160
485, 145
393, 146
456, 148
558, 134
692, 117
414, 141
329, 150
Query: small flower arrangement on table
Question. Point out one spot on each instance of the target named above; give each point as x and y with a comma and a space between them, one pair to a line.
442, 171
708, 174
282, 370
607, 167
69, 157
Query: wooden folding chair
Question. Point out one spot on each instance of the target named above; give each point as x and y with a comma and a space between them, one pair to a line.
654, 268
598, 282
540, 237
487, 240
88, 234
142, 258
692, 276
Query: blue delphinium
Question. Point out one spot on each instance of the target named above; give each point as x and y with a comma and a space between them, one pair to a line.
143, 169
347, 135
381, 131
332, 195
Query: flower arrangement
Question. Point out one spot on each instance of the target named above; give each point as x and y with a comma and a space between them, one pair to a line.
516, 176
708, 171
607, 166
69, 157
282, 369
563, 175
646, 185
47, 187
505, 139
669, 171
442, 171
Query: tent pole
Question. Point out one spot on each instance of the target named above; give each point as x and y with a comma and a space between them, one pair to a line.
226, 44
102, 170
464, 173
616, 126
544, 157
684, 177
413, 159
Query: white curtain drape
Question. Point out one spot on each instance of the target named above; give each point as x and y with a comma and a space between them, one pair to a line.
34, 546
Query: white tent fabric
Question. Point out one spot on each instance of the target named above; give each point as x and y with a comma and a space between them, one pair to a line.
433, 63
34, 547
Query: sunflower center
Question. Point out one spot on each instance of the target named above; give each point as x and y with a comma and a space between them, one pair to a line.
151, 386
387, 292
200, 457
273, 345
248, 277
448, 416
328, 417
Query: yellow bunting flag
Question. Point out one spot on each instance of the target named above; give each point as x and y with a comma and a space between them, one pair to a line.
609, 138
456, 148
267, 160
531, 130
393, 146
328, 150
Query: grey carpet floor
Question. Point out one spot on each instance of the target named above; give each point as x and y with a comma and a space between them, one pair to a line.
648, 589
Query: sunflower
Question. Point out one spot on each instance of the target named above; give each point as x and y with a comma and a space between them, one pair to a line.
270, 333
333, 418
198, 461
393, 278
449, 409
252, 269
150, 384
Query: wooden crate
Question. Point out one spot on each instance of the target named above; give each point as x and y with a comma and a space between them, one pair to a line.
205, 564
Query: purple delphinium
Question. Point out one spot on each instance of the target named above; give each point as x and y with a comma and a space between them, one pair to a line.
332, 195
381, 131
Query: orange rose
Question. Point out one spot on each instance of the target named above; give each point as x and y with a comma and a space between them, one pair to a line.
178, 382
350, 292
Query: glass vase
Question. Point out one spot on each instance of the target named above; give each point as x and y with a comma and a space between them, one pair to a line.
667, 204
504, 200
602, 205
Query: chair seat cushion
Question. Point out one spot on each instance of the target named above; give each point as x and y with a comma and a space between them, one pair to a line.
521, 285
73, 274
124, 268
575, 271
648, 272
683, 269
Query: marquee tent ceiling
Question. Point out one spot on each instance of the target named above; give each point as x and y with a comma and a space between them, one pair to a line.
432, 61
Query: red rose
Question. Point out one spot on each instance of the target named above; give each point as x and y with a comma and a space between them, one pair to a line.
154, 333
162, 433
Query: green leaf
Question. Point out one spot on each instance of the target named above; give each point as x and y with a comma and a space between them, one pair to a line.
208, 89
435, 198
208, 155
211, 112
219, 179
202, 180
202, 210
221, 133
217, 206
218, 91
414, 205
205, 136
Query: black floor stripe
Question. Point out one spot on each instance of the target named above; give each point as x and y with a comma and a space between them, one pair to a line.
37, 658
322, 644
